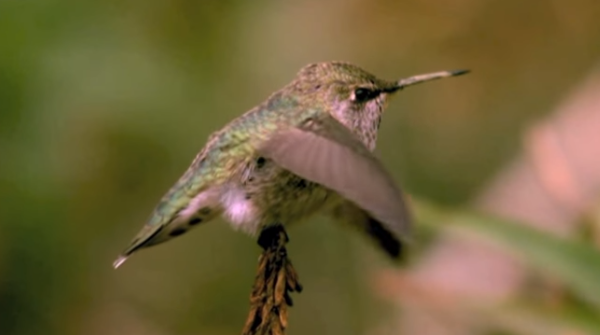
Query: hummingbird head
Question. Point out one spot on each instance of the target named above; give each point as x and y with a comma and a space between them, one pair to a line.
352, 95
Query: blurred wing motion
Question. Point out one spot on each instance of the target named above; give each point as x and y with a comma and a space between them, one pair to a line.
325, 152
348, 213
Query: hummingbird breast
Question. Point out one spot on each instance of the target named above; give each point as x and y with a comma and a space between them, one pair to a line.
264, 194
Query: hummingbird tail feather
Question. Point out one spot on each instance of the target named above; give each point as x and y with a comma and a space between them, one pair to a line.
161, 228
120, 261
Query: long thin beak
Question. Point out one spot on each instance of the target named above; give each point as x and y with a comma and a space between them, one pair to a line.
421, 78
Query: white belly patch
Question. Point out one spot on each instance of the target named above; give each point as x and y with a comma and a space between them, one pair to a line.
239, 210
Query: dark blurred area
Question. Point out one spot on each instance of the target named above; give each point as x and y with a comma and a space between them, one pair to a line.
103, 104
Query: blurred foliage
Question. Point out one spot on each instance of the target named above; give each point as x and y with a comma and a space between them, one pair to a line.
574, 263
104, 103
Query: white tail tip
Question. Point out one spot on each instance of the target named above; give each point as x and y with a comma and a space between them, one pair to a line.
119, 261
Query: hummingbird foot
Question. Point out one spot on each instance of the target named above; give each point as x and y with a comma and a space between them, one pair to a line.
270, 236
275, 280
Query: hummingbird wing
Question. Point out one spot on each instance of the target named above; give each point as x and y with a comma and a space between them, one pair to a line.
348, 213
322, 150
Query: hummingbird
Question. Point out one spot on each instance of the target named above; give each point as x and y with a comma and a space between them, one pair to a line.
307, 149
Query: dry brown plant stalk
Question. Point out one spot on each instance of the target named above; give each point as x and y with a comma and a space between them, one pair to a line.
275, 279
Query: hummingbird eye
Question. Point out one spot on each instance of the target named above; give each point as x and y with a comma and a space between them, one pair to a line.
362, 94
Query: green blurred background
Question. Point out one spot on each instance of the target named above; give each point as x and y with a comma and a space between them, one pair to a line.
103, 104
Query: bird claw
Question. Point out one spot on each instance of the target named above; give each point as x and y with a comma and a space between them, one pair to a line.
269, 236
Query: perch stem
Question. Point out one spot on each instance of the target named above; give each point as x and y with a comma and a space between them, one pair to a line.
275, 279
